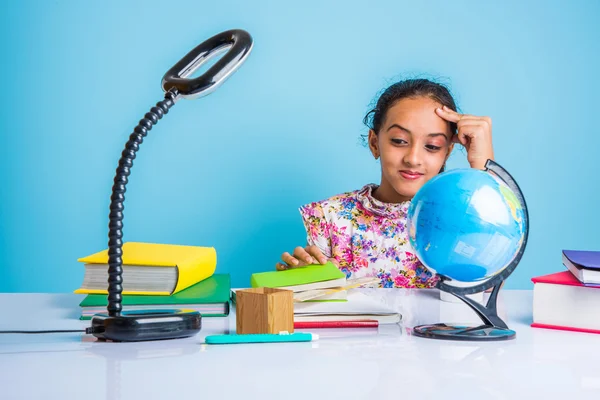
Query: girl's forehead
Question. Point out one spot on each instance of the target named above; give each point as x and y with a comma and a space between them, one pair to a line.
421, 107
417, 116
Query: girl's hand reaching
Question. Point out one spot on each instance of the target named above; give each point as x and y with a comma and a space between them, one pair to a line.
474, 133
301, 257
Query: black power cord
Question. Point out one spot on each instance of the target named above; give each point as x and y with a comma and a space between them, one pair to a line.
87, 331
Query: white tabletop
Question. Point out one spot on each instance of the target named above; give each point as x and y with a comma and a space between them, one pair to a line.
361, 363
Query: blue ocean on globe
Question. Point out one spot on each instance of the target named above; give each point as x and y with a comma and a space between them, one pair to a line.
466, 224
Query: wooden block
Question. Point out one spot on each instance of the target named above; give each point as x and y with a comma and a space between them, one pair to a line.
264, 310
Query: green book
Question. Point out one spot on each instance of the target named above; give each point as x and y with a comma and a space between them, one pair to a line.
301, 278
210, 297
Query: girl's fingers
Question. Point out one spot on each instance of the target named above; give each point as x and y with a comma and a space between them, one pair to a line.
303, 255
451, 111
453, 116
466, 117
289, 259
448, 114
316, 253
461, 138
281, 266
469, 129
472, 121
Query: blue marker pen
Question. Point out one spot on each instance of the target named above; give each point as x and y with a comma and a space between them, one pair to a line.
261, 338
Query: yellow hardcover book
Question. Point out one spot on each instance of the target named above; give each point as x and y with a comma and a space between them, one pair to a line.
150, 268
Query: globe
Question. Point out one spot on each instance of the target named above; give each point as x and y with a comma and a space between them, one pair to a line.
466, 225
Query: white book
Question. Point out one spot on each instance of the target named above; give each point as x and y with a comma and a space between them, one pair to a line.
358, 306
382, 319
561, 302
316, 285
341, 295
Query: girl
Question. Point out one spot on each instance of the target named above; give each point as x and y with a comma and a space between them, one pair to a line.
412, 129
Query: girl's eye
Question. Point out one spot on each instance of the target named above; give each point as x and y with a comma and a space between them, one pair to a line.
398, 141
432, 147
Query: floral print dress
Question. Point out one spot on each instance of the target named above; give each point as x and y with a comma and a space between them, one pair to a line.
367, 237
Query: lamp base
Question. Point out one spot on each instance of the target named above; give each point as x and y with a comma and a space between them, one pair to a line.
141, 325
466, 333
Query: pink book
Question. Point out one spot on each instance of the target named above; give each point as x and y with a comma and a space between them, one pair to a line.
558, 278
565, 328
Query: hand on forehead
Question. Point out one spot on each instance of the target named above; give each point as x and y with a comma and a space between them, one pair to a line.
418, 118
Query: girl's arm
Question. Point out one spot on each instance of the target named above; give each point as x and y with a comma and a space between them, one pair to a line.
474, 133
318, 249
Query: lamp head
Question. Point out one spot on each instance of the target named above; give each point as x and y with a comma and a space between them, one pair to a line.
236, 43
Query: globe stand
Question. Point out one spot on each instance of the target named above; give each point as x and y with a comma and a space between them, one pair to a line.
493, 327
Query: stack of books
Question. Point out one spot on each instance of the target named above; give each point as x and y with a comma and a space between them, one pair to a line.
157, 277
304, 280
321, 295
569, 300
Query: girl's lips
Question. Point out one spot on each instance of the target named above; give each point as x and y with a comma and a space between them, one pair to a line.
410, 175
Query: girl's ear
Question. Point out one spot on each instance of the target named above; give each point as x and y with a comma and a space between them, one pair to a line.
447, 156
450, 148
374, 144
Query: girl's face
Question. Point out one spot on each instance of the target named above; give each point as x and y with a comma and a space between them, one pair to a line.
413, 143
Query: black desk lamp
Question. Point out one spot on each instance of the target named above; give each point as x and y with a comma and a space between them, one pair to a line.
164, 324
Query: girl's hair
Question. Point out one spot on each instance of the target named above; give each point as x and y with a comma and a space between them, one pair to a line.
409, 88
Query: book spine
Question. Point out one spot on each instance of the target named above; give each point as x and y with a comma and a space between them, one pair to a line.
564, 328
336, 324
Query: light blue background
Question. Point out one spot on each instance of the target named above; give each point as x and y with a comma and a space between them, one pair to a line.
230, 170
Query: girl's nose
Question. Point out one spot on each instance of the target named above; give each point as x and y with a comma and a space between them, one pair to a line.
413, 156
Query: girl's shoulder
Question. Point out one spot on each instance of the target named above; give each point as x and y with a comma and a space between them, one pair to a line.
356, 205
346, 203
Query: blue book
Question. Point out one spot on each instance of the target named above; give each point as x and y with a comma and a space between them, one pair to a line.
583, 264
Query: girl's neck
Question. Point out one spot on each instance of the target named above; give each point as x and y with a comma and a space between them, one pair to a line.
387, 194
